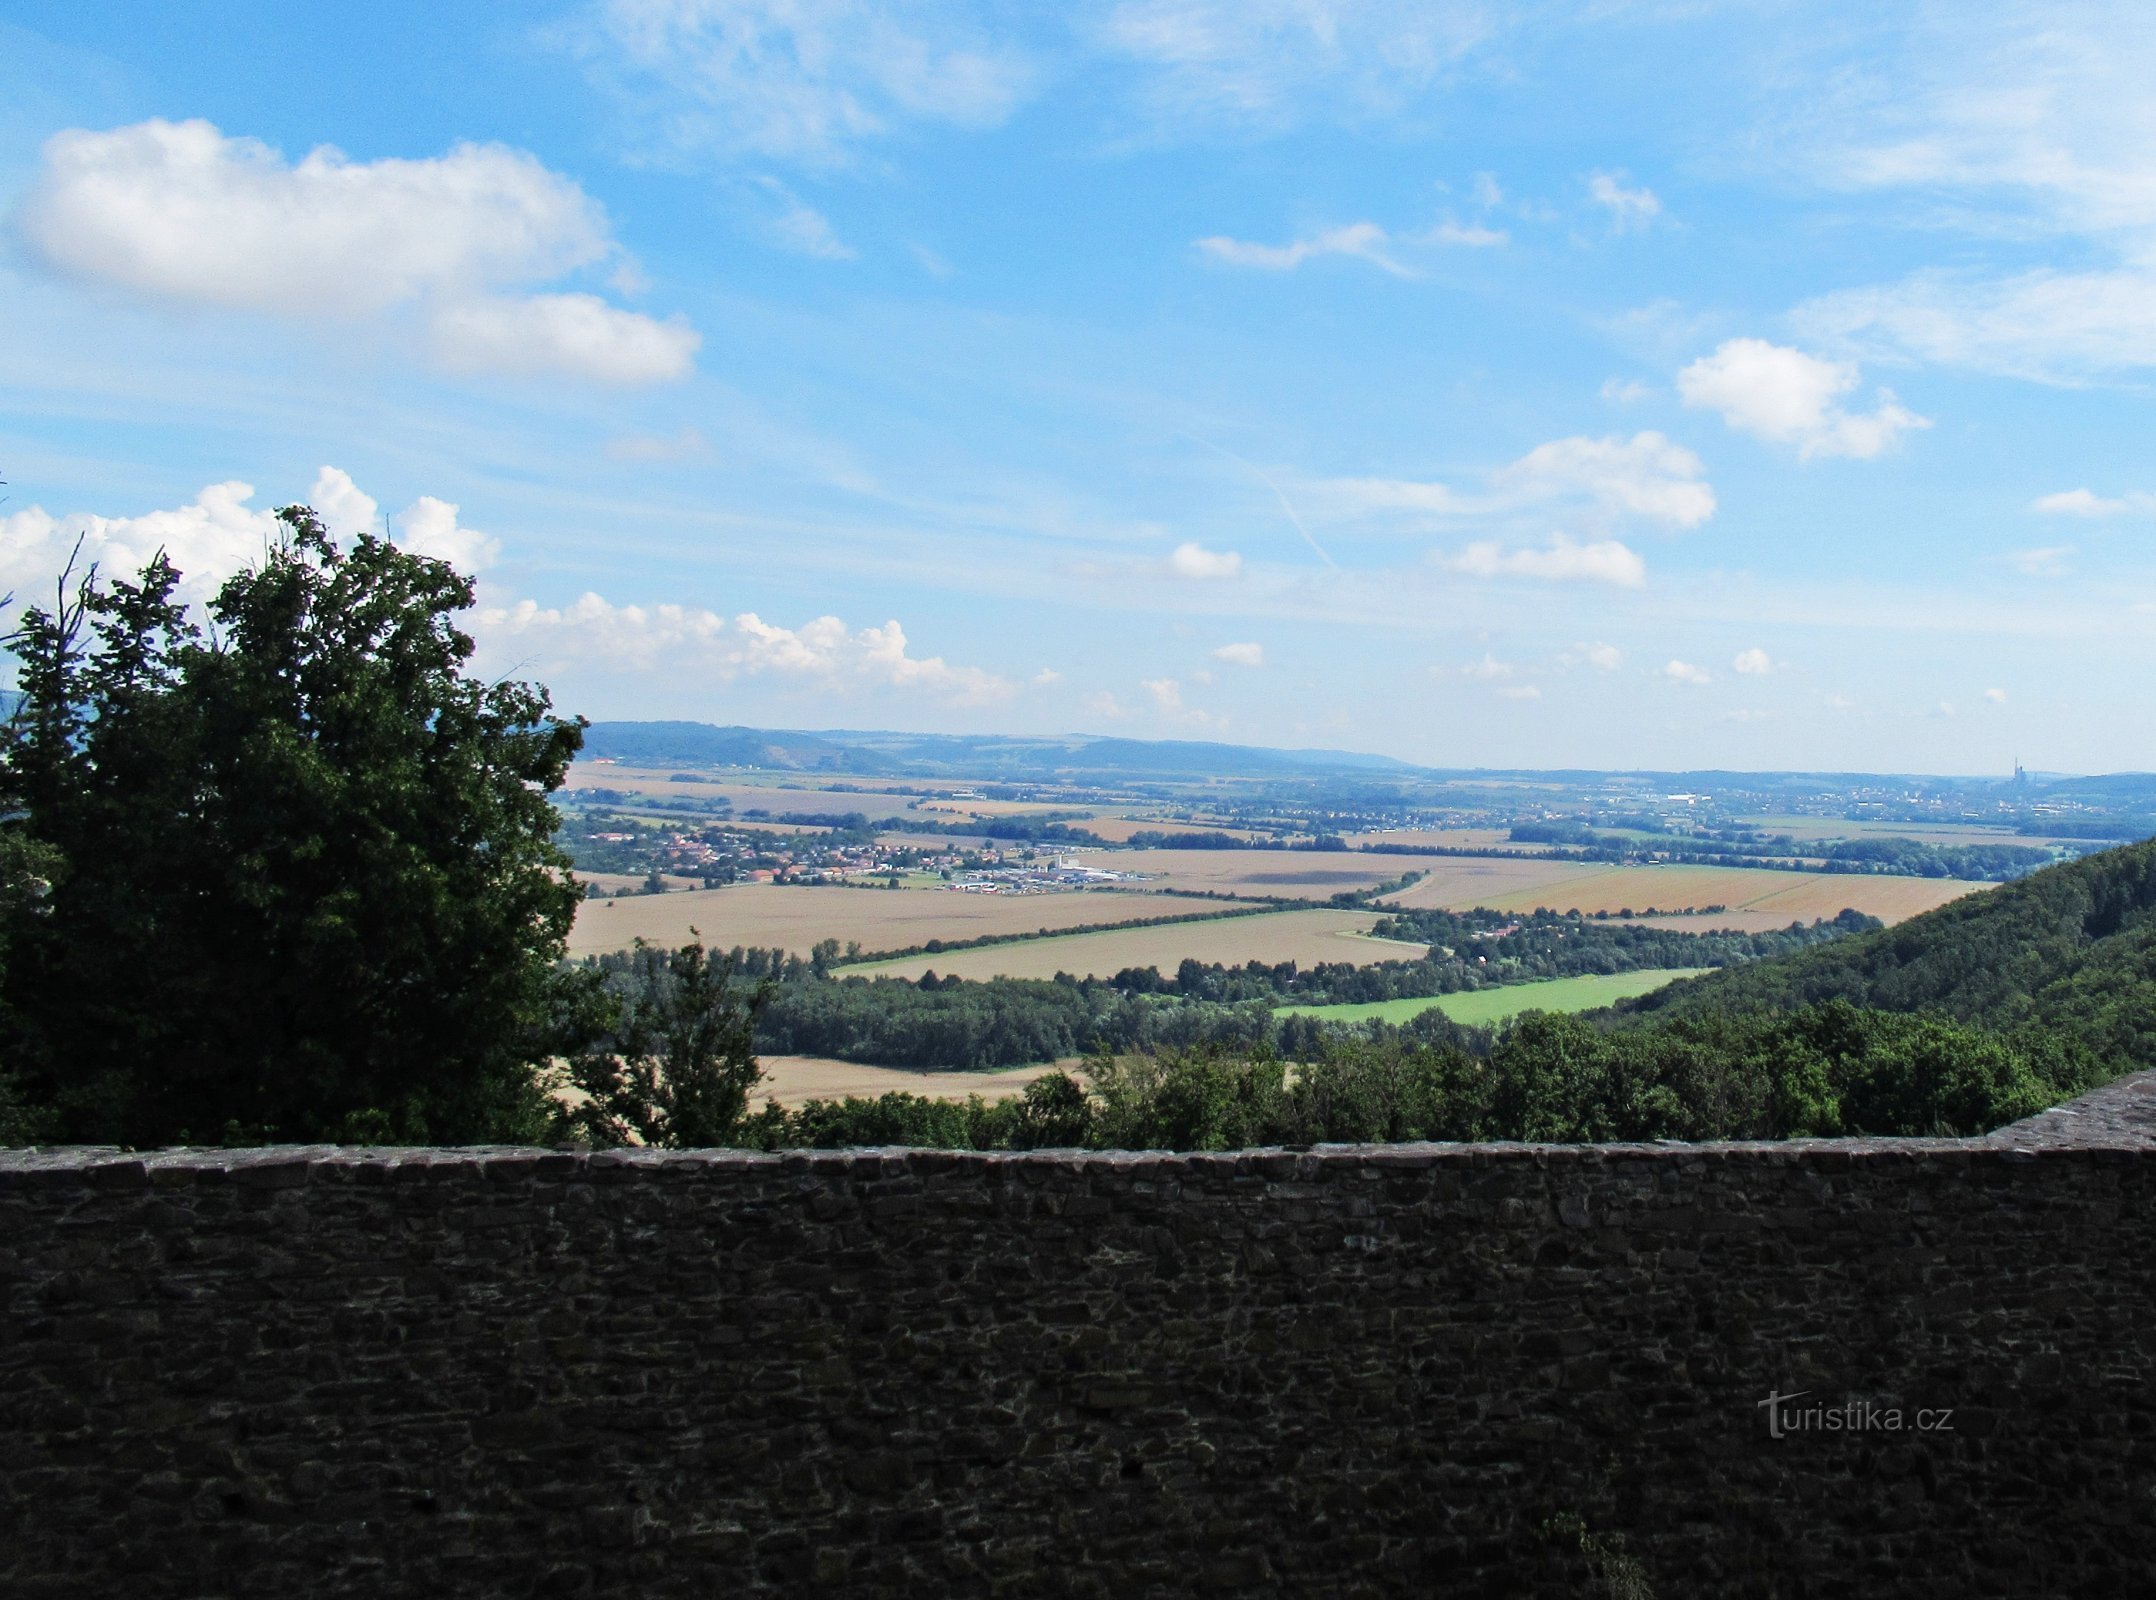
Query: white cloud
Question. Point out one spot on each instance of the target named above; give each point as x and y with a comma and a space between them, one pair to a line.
343, 507
1241, 655
2029, 122
1996, 696
2045, 325
576, 334
1605, 561
1646, 476
177, 211
1193, 560
1487, 669
2050, 561
429, 527
1521, 691
799, 227
1753, 663
1472, 236
216, 536
645, 639
1785, 396
1103, 704
1266, 64
805, 80
1602, 657
1624, 391
686, 445
1685, 672
1364, 240
1628, 208
1167, 695
2084, 503
1047, 678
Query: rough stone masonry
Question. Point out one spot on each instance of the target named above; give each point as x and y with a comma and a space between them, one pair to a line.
1377, 1370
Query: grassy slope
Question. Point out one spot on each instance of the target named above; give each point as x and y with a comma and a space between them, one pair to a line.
1481, 1007
2068, 952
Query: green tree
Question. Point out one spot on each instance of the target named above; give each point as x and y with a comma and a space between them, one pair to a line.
303, 884
678, 1063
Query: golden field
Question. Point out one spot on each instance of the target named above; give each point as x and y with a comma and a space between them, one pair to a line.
1304, 937
1293, 874
791, 1080
1755, 899
794, 917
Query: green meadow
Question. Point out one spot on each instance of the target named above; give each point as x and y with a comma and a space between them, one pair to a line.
1481, 1007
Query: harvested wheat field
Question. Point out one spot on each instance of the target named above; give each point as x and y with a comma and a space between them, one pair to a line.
1444, 838
795, 917
1304, 937
1117, 829
1275, 874
792, 1080
1754, 899
744, 796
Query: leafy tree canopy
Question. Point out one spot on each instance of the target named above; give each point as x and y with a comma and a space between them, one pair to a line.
301, 877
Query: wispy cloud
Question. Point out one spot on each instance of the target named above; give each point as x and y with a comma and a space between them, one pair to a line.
1363, 240
1630, 209
1562, 561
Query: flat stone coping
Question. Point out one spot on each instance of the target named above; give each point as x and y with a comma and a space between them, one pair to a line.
2119, 1118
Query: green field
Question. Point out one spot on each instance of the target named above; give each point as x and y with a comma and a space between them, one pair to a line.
1479, 1008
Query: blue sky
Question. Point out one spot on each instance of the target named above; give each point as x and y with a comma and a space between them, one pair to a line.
1570, 384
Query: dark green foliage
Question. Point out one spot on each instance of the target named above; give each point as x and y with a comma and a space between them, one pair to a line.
677, 1062
2061, 964
303, 885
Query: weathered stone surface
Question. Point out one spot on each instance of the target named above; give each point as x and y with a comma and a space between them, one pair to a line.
1354, 1371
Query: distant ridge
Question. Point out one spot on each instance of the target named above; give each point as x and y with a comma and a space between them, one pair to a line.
932, 755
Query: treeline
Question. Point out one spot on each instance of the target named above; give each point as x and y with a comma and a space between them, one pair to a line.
811, 1009
2065, 957
1826, 1071
1984, 863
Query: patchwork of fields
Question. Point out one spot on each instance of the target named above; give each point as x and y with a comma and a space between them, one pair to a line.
1304, 937
794, 917
1280, 874
1756, 899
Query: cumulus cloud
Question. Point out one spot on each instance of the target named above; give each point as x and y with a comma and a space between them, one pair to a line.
1784, 396
219, 534
209, 540
1167, 695
1624, 391
803, 80
1753, 663
1241, 655
1365, 240
1564, 561
1193, 560
345, 509
1647, 477
1488, 668
1685, 672
178, 211
576, 334
1996, 696
2086, 503
1047, 678
643, 639
1602, 657
429, 527
1629, 209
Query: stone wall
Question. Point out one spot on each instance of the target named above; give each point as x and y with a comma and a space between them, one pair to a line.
1413, 1369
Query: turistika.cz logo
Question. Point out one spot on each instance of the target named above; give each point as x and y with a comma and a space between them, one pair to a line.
1785, 1417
